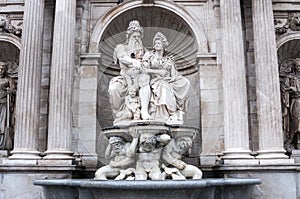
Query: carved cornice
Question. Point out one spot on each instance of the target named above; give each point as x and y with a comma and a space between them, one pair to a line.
292, 24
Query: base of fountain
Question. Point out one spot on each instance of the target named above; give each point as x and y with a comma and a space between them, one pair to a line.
205, 188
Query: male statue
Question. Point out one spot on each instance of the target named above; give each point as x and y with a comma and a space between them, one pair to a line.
128, 56
121, 155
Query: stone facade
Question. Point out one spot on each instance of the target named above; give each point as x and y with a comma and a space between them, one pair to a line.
98, 26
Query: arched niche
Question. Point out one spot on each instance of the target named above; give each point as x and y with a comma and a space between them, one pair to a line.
288, 52
9, 53
9, 48
187, 39
168, 6
184, 33
288, 47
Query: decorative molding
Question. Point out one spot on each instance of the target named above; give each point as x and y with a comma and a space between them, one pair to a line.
8, 28
292, 24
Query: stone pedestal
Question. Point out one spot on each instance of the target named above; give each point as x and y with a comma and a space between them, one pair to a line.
29, 81
234, 84
296, 155
149, 150
267, 82
61, 85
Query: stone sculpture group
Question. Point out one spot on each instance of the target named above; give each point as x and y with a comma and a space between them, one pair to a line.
162, 91
147, 98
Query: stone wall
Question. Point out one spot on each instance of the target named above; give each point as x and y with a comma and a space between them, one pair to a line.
211, 111
47, 48
250, 75
206, 102
19, 185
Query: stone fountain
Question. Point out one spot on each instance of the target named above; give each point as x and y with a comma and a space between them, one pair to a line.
148, 139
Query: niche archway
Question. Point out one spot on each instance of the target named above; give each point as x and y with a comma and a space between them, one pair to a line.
288, 61
9, 48
184, 33
184, 45
10, 52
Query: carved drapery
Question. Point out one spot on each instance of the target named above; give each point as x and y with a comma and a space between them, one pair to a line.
8, 87
289, 73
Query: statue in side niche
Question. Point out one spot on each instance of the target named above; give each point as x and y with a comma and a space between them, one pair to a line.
290, 98
169, 88
8, 86
172, 154
121, 154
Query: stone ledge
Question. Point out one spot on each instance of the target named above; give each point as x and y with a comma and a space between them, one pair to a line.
237, 168
148, 184
234, 188
37, 168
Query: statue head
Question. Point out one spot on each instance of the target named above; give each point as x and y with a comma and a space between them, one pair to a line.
297, 65
117, 143
3, 68
132, 90
160, 41
134, 35
3, 21
148, 142
184, 143
134, 26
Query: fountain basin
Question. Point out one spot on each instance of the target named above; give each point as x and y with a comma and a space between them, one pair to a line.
227, 188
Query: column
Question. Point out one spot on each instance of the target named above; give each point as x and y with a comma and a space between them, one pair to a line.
29, 82
61, 85
267, 82
234, 83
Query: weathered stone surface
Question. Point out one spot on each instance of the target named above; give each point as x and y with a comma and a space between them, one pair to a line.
20, 185
277, 181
